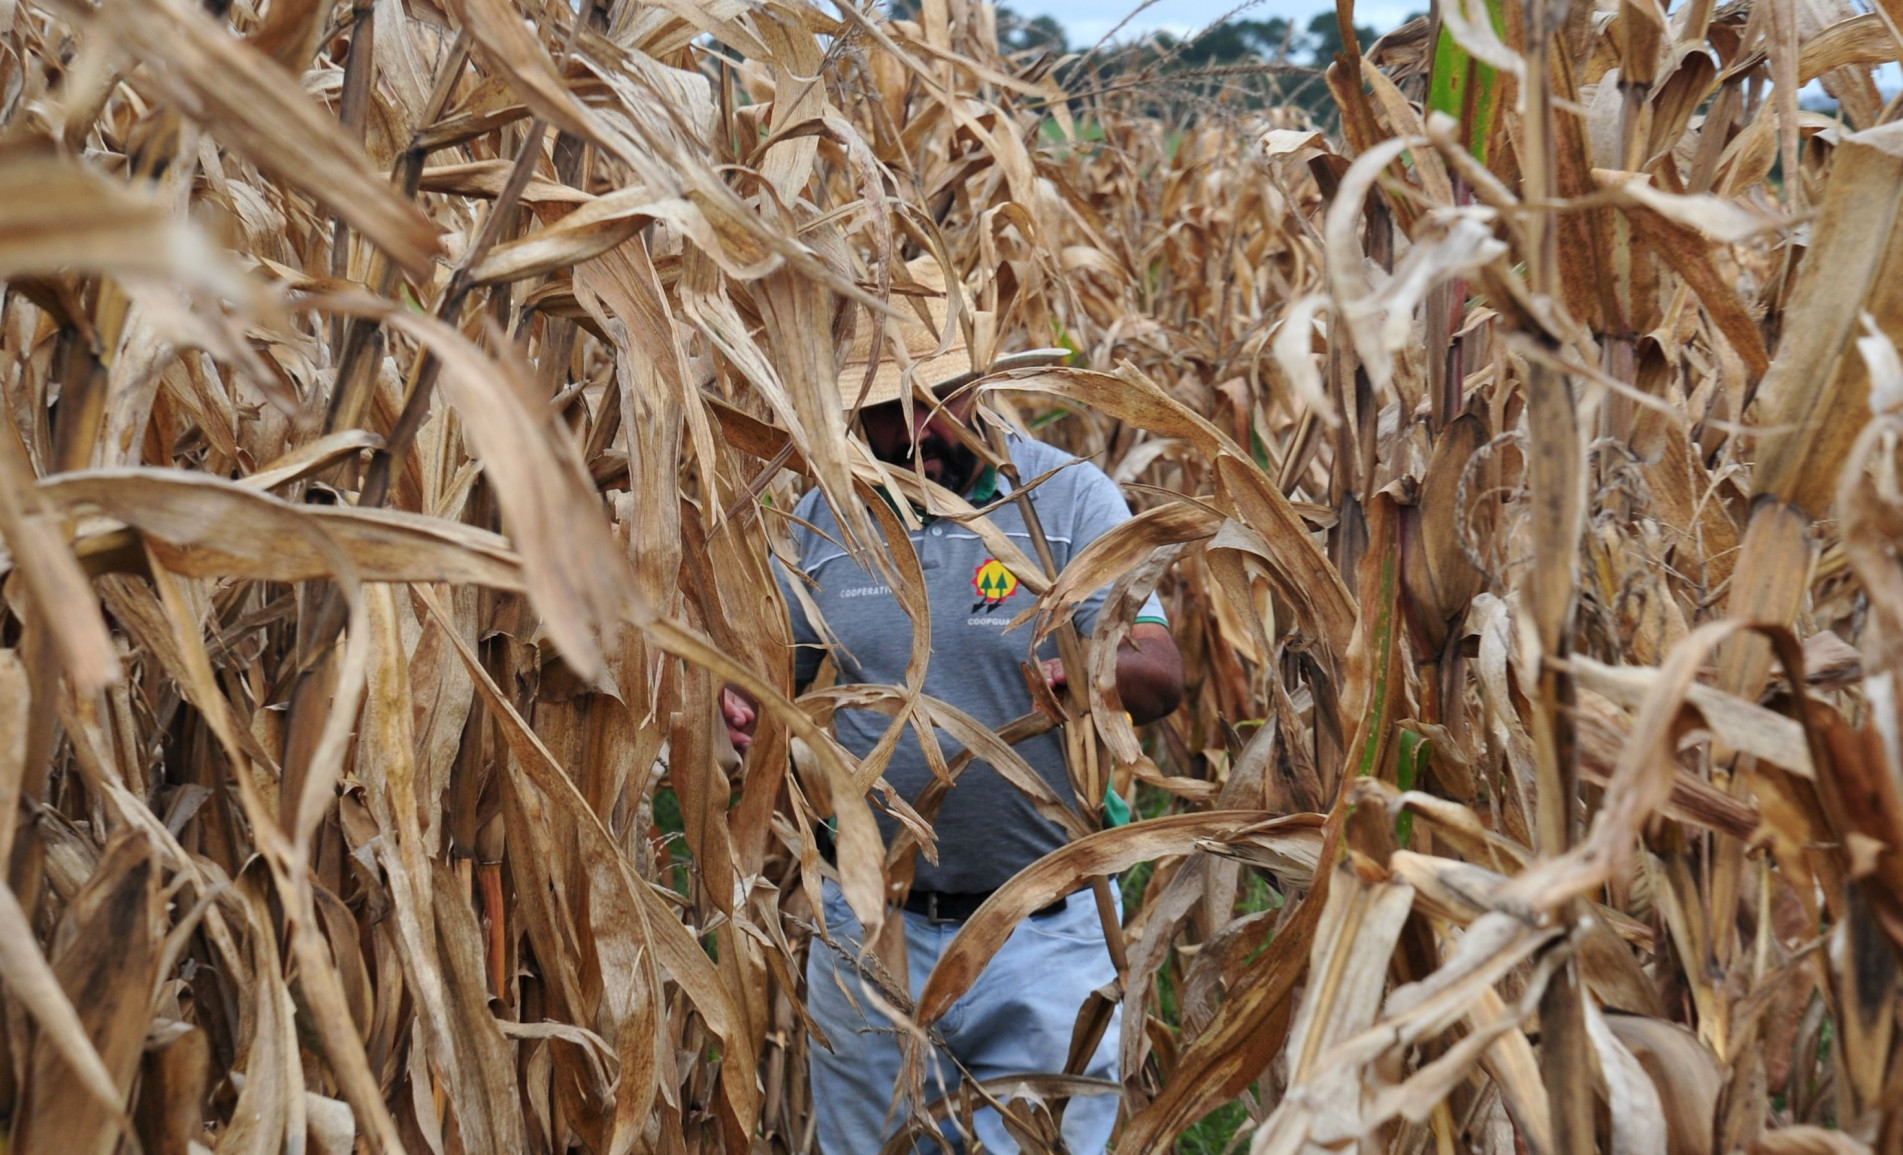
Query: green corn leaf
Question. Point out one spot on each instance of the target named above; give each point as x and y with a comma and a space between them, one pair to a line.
1465, 88
1413, 753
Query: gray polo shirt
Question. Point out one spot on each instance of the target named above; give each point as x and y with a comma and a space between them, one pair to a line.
987, 829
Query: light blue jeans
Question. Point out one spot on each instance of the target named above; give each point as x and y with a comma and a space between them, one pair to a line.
1015, 1020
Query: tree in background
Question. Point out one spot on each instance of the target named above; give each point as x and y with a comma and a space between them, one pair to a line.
1229, 42
1227, 67
1233, 65
1018, 33
1237, 40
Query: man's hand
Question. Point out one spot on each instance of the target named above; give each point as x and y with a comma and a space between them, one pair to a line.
1149, 673
1054, 674
742, 715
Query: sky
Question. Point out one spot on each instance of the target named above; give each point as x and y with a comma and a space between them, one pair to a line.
1087, 20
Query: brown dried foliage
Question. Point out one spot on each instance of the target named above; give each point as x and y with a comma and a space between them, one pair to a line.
401, 404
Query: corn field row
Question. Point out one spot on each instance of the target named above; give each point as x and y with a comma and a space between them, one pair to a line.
403, 403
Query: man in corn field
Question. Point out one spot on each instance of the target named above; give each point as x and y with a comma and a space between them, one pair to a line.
1017, 1018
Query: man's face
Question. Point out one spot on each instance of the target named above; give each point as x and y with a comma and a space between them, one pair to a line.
932, 437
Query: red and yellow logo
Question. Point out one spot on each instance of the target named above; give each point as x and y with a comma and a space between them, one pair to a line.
993, 584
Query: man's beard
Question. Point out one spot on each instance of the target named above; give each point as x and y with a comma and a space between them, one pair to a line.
957, 465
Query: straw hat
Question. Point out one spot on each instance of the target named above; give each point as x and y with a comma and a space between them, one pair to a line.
932, 368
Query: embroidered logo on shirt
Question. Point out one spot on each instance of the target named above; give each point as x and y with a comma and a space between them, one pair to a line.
993, 584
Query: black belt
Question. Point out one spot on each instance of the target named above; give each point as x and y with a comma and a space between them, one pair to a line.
939, 906
953, 906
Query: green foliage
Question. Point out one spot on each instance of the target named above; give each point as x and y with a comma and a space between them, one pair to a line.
670, 839
1463, 87
1215, 1133
1414, 751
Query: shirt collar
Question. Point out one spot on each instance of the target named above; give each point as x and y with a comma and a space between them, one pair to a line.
987, 487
